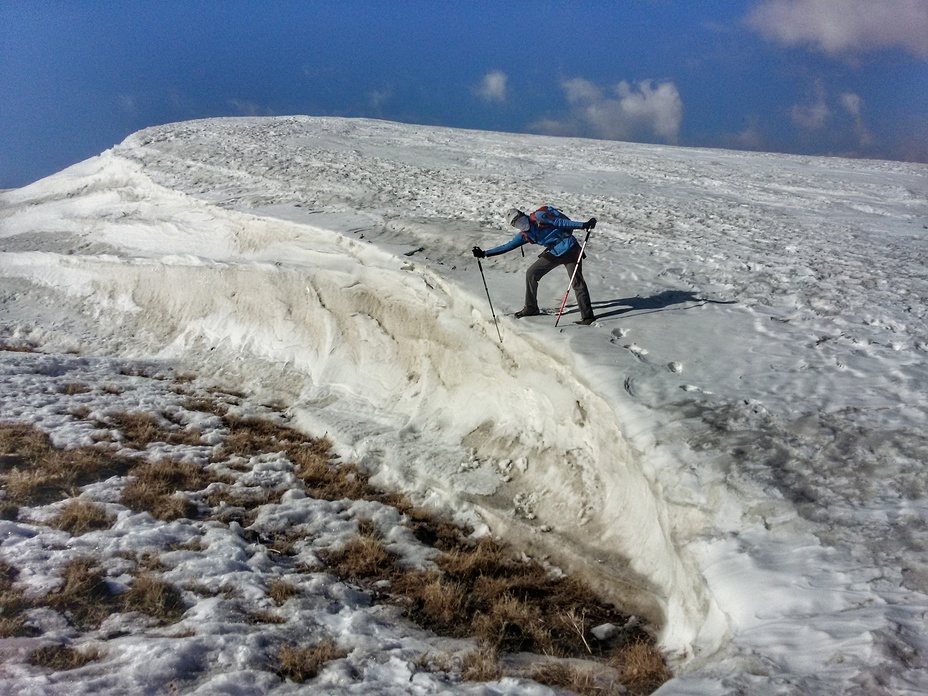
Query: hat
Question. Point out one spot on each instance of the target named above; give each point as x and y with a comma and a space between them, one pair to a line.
513, 215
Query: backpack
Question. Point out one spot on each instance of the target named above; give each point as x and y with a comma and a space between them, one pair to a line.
546, 216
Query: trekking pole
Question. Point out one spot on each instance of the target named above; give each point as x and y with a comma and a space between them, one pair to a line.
573, 275
480, 266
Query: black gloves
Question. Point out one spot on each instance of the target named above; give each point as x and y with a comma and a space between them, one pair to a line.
589, 224
479, 253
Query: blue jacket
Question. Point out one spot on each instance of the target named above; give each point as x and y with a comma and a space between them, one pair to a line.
548, 228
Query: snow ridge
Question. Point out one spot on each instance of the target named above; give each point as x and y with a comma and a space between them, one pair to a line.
736, 448
382, 354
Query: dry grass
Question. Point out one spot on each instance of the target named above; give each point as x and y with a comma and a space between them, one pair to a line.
206, 406
80, 412
508, 604
265, 617
61, 658
156, 598
363, 558
156, 487
427, 528
311, 457
74, 388
8, 510
84, 598
299, 664
246, 498
140, 429
512, 625
574, 679
248, 437
476, 590
325, 480
17, 347
19, 441
33, 472
81, 516
482, 591
641, 666
481, 666
12, 604
281, 590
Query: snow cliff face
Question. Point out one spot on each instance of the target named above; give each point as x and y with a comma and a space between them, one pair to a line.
734, 451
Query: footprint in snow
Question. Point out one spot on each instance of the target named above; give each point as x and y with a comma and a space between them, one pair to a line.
636, 350
675, 367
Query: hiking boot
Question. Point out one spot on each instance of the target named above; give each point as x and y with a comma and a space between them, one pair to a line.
587, 321
527, 312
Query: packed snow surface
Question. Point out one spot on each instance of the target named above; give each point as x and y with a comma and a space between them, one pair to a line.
734, 451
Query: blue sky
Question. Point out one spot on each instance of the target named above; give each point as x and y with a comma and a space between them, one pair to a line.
833, 77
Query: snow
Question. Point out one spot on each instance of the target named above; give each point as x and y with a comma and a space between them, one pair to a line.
734, 451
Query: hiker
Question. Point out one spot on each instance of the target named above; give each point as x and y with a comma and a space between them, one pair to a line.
553, 230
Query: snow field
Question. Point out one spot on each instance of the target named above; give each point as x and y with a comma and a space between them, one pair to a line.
736, 448
402, 348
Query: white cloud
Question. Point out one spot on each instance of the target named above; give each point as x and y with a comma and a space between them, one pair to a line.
751, 138
818, 116
127, 103
812, 116
493, 86
379, 97
845, 26
853, 104
248, 108
648, 109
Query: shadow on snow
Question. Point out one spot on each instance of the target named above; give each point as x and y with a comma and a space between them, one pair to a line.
646, 305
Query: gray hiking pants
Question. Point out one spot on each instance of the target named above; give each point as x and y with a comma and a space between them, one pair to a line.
546, 263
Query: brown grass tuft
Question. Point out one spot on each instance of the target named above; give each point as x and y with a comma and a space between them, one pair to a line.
202, 405
156, 486
513, 625
33, 472
311, 457
80, 516
73, 388
12, 604
574, 679
427, 527
363, 558
17, 347
247, 498
641, 666
61, 658
140, 429
299, 664
84, 598
327, 481
20, 443
510, 605
265, 617
8, 510
250, 436
481, 665
281, 590
156, 598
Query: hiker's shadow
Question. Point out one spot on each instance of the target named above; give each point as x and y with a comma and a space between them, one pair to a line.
656, 303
